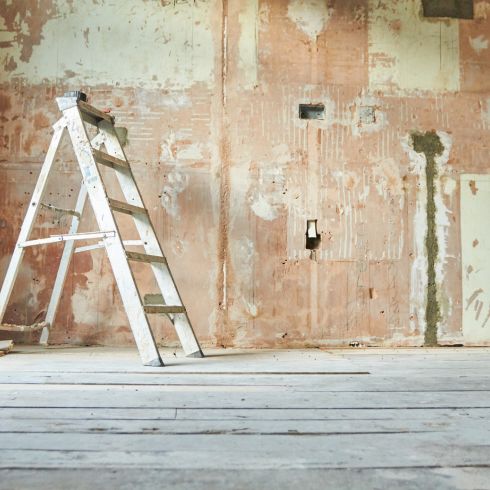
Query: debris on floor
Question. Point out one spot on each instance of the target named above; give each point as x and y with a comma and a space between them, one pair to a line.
6, 346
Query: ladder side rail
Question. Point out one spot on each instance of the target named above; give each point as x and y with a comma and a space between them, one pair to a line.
63, 267
30, 217
66, 256
152, 246
115, 249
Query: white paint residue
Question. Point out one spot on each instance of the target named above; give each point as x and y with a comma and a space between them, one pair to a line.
247, 44
485, 113
143, 44
190, 152
398, 34
442, 223
388, 181
267, 197
263, 209
88, 306
176, 183
310, 16
418, 273
478, 43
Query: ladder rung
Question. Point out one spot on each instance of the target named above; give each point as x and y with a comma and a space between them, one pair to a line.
124, 207
139, 257
163, 309
64, 238
95, 113
109, 160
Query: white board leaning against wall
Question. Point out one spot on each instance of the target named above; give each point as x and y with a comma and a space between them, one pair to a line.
475, 252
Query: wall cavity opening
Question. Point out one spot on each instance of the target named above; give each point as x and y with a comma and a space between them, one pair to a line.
313, 238
311, 111
456, 9
367, 114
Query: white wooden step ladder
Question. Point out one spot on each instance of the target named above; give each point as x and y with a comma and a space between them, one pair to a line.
76, 113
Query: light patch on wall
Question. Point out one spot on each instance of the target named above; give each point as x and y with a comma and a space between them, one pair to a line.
243, 254
478, 44
267, 196
247, 44
418, 273
263, 209
93, 305
388, 181
443, 223
475, 249
408, 52
146, 44
310, 16
176, 183
485, 113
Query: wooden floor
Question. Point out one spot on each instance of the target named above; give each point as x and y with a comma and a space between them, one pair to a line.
88, 418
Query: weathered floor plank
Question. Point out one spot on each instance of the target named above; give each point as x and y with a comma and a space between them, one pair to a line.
365, 419
415, 478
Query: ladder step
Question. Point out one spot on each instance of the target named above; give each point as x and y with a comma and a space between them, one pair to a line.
109, 160
124, 207
139, 257
96, 115
163, 309
65, 238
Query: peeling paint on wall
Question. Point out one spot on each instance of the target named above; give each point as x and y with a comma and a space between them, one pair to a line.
408, 52
231, 174
147, 44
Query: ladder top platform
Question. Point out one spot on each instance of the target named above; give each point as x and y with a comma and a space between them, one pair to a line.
65, 103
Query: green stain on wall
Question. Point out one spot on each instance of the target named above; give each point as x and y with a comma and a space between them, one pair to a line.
430, 145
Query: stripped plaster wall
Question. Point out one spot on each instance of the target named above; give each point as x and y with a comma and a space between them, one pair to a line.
208, 91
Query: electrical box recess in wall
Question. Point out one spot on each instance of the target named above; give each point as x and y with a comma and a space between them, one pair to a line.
311, 111
313, 238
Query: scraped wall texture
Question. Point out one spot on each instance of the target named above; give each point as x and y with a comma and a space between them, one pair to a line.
208, 91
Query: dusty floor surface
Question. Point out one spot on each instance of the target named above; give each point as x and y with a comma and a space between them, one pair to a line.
87, 418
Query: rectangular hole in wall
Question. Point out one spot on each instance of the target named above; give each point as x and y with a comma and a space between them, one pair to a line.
311, 111
456, 9
313, 238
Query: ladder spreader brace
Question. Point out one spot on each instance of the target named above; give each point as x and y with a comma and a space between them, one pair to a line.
77, 113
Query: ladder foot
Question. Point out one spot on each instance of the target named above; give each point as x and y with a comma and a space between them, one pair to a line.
196, 354
157, 362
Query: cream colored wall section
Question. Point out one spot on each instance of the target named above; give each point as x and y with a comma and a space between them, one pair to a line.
475, 247
408, 52
143, 44
247, 45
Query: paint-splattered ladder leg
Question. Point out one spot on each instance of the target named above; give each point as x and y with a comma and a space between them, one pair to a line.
66, 257
152, 246
30, 217
101, 205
